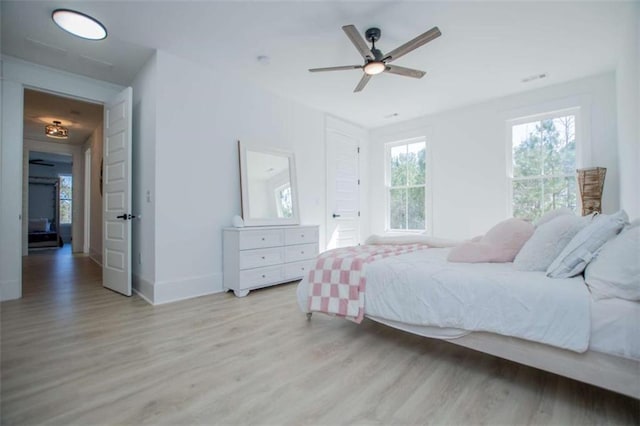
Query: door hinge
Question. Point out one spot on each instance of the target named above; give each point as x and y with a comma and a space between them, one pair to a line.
358, 150
358, 181
358, 214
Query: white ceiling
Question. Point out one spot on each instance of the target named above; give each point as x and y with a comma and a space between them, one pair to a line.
40, 109
485, 51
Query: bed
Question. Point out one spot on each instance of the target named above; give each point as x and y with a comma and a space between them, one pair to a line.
551, 324
42, 234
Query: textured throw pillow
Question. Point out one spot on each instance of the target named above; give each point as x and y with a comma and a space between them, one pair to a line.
499, 245
547, 242
581, 249
550, 215
615, 271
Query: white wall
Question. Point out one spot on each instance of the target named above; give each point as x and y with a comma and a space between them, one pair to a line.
200, 116
143, 197
628, 107
468, 147
16, 75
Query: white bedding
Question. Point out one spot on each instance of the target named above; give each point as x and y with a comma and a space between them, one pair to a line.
422, 288
615, 327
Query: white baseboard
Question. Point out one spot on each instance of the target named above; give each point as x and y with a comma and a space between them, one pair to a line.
173, 291
142, 288
10, 290
95, 256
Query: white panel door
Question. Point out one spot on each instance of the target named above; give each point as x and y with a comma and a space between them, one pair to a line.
116, 195
343, 190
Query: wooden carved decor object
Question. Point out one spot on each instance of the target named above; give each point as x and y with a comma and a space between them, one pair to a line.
590, 184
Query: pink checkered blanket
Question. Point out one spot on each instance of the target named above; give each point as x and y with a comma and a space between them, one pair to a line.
338, 281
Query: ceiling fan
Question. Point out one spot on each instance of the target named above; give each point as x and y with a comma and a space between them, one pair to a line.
40, 162
374, 61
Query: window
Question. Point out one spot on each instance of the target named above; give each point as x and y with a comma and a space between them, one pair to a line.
283, 201
406, 185
543, 164
66, 187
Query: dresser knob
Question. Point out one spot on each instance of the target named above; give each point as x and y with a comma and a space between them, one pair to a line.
302, 252
301, 235
262, 257
264, 276
262, 238
302, 269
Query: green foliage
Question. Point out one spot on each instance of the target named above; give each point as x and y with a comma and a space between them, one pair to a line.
66, 191
544, 168
407, 193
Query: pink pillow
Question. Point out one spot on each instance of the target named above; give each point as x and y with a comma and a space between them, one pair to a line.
501, 244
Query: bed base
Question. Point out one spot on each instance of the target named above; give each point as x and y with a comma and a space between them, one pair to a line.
610, 372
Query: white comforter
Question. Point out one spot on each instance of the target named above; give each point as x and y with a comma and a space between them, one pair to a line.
422, 288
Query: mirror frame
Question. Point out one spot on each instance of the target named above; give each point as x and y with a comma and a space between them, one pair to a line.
243, 148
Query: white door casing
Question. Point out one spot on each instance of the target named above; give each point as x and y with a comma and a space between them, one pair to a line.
343, 189
116, 198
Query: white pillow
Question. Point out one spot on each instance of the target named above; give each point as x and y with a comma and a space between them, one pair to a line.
550, 215
615, 272
39, 225
547, 242
580, 250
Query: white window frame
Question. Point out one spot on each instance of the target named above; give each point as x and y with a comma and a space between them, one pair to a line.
60, 176
582, 145
387, 185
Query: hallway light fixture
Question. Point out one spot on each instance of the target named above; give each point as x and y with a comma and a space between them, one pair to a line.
56, 131
79, 24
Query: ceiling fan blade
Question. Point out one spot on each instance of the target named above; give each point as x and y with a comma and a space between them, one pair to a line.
363, 82
407, 72
345, 67
38, 162
412, 44
358, 41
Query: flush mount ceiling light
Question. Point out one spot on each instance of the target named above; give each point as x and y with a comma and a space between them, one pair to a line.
56, 130
79, 24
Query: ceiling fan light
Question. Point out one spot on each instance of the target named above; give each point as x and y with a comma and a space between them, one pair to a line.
56, 131
374, 67
79, 24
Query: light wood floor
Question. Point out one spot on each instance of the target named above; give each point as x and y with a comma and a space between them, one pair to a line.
75, 353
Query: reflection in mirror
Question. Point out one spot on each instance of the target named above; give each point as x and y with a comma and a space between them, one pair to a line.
269, 185
269, 195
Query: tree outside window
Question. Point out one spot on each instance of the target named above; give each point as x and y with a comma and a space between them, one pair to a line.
283, 201
406, 185
544, 166
66, 189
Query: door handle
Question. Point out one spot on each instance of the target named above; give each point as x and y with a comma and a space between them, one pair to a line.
126, 216
336, 215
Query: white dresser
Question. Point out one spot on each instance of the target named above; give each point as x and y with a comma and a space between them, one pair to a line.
263, 256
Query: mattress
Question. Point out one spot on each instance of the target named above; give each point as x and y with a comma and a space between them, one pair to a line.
609, 326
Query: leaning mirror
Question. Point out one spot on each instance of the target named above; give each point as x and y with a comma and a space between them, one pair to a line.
268, 186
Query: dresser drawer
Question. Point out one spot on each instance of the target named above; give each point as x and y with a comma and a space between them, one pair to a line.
261, 276
261, 238
261, 257
301, 235
300, 252
298, 269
